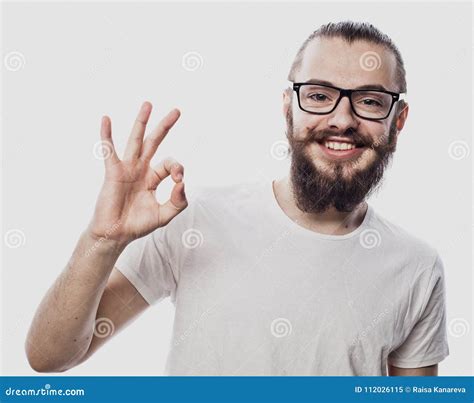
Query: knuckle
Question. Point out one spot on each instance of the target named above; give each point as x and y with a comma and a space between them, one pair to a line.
165, 127
172, 163
177, 166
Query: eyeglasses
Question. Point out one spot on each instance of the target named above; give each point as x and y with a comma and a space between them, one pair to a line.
371, 104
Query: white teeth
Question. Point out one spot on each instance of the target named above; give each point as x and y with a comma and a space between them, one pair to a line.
336, 145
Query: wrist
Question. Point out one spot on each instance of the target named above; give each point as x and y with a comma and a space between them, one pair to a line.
103, 244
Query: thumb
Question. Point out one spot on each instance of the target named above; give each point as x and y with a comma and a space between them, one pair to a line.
176, 203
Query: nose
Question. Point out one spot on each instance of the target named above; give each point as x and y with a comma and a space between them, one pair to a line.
343, 118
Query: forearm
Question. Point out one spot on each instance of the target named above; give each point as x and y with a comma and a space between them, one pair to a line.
63, 325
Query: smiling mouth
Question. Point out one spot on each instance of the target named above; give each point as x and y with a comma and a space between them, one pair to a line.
339, 150
340, 145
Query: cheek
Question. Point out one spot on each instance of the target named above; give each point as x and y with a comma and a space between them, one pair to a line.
377, 133
304, 123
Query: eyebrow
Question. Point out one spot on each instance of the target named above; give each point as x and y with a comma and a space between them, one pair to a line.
361, 87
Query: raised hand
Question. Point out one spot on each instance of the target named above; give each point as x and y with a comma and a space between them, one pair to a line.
127, 208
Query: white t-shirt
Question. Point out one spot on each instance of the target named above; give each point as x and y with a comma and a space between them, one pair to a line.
255, 293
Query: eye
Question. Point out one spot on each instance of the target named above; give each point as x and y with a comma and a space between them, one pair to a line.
318, 97
371, 102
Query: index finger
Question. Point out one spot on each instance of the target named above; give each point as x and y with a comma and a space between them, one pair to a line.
154, 139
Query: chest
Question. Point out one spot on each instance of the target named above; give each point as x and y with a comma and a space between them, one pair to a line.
341, 298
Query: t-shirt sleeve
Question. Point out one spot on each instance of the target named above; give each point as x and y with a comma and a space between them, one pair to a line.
152, 263
427, 342
145, 263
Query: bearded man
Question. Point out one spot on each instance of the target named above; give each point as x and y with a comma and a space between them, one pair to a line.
294, 276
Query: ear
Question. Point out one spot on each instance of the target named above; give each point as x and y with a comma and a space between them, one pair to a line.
287, 93
402, 117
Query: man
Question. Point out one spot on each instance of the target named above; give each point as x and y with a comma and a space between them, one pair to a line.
297, 276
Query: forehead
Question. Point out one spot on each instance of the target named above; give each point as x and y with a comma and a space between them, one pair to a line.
348, 65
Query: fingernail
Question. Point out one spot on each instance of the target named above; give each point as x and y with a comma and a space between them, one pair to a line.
179, 176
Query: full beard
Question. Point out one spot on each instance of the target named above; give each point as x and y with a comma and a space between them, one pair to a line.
315, 190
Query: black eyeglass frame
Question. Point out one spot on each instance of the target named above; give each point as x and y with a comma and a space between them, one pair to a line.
347, 93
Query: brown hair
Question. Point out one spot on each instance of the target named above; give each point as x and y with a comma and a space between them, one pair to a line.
353, 31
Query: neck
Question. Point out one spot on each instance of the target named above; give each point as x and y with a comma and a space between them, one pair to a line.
330, 222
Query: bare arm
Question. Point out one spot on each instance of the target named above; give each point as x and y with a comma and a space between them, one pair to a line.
63, 326
67, 326
120, 304
432, 370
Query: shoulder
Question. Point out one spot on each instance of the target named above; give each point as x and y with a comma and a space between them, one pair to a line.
408, 247
417, 270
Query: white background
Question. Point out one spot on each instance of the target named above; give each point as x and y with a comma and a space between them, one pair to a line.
80, 61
